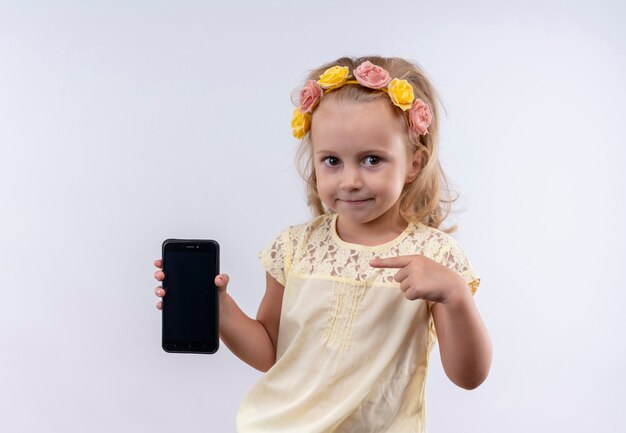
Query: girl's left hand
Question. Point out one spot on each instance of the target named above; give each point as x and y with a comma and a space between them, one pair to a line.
424, 278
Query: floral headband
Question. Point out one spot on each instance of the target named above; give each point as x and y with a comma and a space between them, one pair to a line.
368, 75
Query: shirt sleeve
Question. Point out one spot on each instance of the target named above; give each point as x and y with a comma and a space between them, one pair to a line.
452, 255
276, 257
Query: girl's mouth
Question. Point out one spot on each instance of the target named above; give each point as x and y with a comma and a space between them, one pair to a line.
357, 201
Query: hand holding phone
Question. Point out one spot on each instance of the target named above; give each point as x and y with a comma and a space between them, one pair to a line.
221, 281
190, 295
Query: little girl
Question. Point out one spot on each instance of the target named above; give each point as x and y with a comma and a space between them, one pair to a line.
357, 296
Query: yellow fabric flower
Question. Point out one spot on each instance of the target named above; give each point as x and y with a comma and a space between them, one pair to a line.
300, 124
333, 77
401, 93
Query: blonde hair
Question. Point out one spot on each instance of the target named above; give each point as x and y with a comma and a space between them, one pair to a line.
427, 199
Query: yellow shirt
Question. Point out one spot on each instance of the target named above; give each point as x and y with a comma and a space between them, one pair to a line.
352, 352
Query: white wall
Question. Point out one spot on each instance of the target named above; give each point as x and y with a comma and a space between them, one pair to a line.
127, 122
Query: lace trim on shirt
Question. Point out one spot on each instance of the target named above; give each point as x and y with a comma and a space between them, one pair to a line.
310, 249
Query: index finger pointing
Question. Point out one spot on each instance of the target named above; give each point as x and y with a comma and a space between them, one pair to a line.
390, 262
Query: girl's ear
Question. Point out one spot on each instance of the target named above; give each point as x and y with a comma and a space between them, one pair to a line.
417, 163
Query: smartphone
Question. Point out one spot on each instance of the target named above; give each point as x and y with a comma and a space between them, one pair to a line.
190, 314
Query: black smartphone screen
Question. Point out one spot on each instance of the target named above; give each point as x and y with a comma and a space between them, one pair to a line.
190, 305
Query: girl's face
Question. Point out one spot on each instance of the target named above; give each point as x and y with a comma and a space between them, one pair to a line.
361, 160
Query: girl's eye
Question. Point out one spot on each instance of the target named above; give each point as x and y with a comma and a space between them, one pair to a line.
331, 161
373, 160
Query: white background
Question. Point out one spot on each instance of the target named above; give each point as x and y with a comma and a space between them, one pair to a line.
123, 123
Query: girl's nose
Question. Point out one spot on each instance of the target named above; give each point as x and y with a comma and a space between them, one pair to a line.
350, 179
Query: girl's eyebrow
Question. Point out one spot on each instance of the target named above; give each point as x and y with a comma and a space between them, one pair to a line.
363, 152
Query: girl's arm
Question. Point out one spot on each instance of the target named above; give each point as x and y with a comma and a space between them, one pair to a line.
464, 343
253, 341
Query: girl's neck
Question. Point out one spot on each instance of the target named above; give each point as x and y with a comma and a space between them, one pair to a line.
383, 229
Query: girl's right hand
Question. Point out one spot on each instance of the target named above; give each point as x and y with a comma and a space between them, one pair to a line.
221, 281
160, 276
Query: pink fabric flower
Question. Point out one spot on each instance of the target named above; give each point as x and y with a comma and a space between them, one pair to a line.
310, 96
370, 75
419, 117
